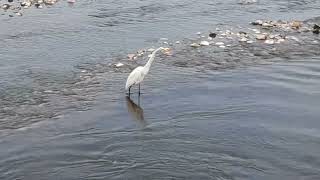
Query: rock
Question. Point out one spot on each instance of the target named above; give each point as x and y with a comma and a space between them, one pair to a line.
177, 42
37, 5
280, 41
219, 43
131, 56
316, 29
71, 1
257, 22
119, 64
272, 36
10, 1
250, 42
243, 34
245, 2
204, 43
267, 25
269, 41
243, 39
228, 32
296, 24
195, 45
198, 33
5, 6
49, 2
19, 14
26, 3
261, 37
222, 46
212, 35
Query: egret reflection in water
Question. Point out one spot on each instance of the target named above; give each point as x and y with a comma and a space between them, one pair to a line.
135, 110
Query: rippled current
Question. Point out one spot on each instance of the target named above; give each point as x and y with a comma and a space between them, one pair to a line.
249, 111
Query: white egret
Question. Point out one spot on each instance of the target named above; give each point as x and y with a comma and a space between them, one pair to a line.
138, 74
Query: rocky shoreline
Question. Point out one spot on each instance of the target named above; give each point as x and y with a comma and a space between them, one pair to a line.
232, 46
17, 7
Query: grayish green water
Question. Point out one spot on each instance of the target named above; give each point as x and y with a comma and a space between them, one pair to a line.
204, 113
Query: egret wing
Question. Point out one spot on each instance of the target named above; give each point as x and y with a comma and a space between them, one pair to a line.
135, 77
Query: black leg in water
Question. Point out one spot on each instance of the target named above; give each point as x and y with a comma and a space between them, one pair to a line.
129, 90
139, 89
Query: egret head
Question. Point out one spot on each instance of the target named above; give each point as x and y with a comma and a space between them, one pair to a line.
166, 51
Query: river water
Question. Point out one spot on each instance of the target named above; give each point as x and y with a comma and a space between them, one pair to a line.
245, 112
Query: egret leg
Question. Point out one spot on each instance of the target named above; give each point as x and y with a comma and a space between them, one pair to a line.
139, 89
129, 90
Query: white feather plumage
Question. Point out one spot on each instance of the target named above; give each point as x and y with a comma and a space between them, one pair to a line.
139, 73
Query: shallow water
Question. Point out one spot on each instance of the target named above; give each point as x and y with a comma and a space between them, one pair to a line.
203, 114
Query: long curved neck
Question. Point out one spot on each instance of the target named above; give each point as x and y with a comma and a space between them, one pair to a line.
148, 64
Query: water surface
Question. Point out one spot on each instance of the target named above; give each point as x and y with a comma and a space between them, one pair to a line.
203, 113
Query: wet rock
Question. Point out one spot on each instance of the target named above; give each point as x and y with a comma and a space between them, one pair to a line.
204, 43
243, 39
119, 65
212, 35
267, 25
19, 14
261, 37
245, 2
131, 56
243, 34
26, 3
228, 32
257, 23
219, 43
10, 1
49, 2
316, 29
71, 1
275, 36
195, 45
5, 6
296, 24
280, 41
38, 5
269, 41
